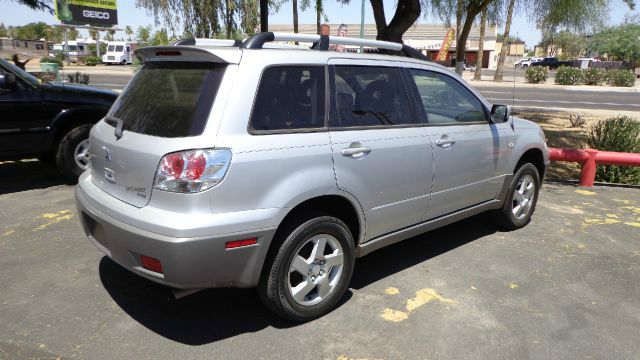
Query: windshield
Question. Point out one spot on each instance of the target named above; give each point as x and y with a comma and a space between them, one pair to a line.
19, 72
168, 99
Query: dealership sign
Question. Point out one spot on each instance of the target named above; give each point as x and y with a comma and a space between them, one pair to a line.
83, 12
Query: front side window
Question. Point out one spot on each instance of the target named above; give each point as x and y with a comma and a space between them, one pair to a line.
445, 100
369, 96
290, 97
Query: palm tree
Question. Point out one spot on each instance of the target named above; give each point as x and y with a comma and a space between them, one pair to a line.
129, 31
483, 25
505, 40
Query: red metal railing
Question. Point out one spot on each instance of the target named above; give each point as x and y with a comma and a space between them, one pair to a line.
589, 158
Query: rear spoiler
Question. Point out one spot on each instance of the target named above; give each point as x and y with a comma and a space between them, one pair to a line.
188, 53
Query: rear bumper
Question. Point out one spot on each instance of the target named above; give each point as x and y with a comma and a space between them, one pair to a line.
187, 262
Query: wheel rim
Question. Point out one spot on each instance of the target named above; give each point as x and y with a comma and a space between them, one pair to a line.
82, 155
315, 270
523, 197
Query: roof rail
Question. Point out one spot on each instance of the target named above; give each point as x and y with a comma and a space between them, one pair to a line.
257, 41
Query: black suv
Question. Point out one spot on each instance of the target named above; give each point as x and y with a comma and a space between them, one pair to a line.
48, 120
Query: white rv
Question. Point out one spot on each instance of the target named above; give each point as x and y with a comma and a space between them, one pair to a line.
119, 52
78, 49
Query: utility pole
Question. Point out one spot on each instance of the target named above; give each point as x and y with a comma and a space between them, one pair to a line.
66, 45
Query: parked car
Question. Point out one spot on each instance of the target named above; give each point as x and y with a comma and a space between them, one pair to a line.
552, 63
520, 62
277, 168
48, 120
527, 63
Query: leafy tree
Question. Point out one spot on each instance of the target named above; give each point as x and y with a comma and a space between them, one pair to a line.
205, 18
44, 5
620, 42
31, 31
143, 35
159, 37
3, 30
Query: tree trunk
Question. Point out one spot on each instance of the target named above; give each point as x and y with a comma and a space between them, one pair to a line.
472, 11
295, 15
229, 19
459, 11
407, 12
503, 51
483, 25
319, 15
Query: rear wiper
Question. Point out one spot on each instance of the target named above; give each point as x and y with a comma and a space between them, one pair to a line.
119, 124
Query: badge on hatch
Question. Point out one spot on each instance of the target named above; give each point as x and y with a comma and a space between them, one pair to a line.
110, 175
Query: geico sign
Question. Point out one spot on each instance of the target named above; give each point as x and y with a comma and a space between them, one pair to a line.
95, 14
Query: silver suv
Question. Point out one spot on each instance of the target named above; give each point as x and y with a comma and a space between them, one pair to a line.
272, 166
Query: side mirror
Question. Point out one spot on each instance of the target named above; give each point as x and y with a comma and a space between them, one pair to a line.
500, 114
7, 81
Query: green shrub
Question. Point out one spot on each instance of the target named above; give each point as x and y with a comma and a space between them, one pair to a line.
624, 78
92, 60
52, 60
622, 134
594, 76
536, 74
567, 75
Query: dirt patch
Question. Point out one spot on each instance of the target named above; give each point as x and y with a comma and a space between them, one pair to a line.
559, 133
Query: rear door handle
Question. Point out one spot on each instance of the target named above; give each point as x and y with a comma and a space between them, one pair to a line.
445, 142
355, 151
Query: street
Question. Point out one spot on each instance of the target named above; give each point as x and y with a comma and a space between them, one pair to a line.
565, 286
598, 98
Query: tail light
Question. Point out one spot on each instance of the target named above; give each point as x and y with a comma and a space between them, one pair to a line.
192, 171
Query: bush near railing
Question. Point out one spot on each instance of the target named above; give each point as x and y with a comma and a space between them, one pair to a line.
621, 134
621, 78
536, 74
594, 76
569, 76
92, 60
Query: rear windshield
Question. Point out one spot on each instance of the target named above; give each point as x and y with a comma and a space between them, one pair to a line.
168, 99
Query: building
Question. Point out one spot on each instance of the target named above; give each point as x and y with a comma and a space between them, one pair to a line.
427, 38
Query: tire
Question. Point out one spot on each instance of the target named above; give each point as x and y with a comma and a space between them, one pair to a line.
299, 297
66, 152
520, 202
525, 66
123, 62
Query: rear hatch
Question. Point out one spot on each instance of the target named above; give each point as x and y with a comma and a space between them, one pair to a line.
164, 109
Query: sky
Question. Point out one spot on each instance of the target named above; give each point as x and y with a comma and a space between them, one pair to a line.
14, 14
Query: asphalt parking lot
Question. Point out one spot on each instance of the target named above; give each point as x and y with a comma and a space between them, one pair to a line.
566, 286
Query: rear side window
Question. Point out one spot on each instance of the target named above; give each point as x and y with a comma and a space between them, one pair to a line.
119, 48
369, 96
445, 100
290, 97
168, 99
110, 48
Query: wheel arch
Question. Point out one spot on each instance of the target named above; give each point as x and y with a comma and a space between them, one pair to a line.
341, 205
68, 119
534, 156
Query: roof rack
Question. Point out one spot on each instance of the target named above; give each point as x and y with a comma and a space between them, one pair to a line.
320, 42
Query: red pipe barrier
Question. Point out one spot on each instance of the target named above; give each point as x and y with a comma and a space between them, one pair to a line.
590, 158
